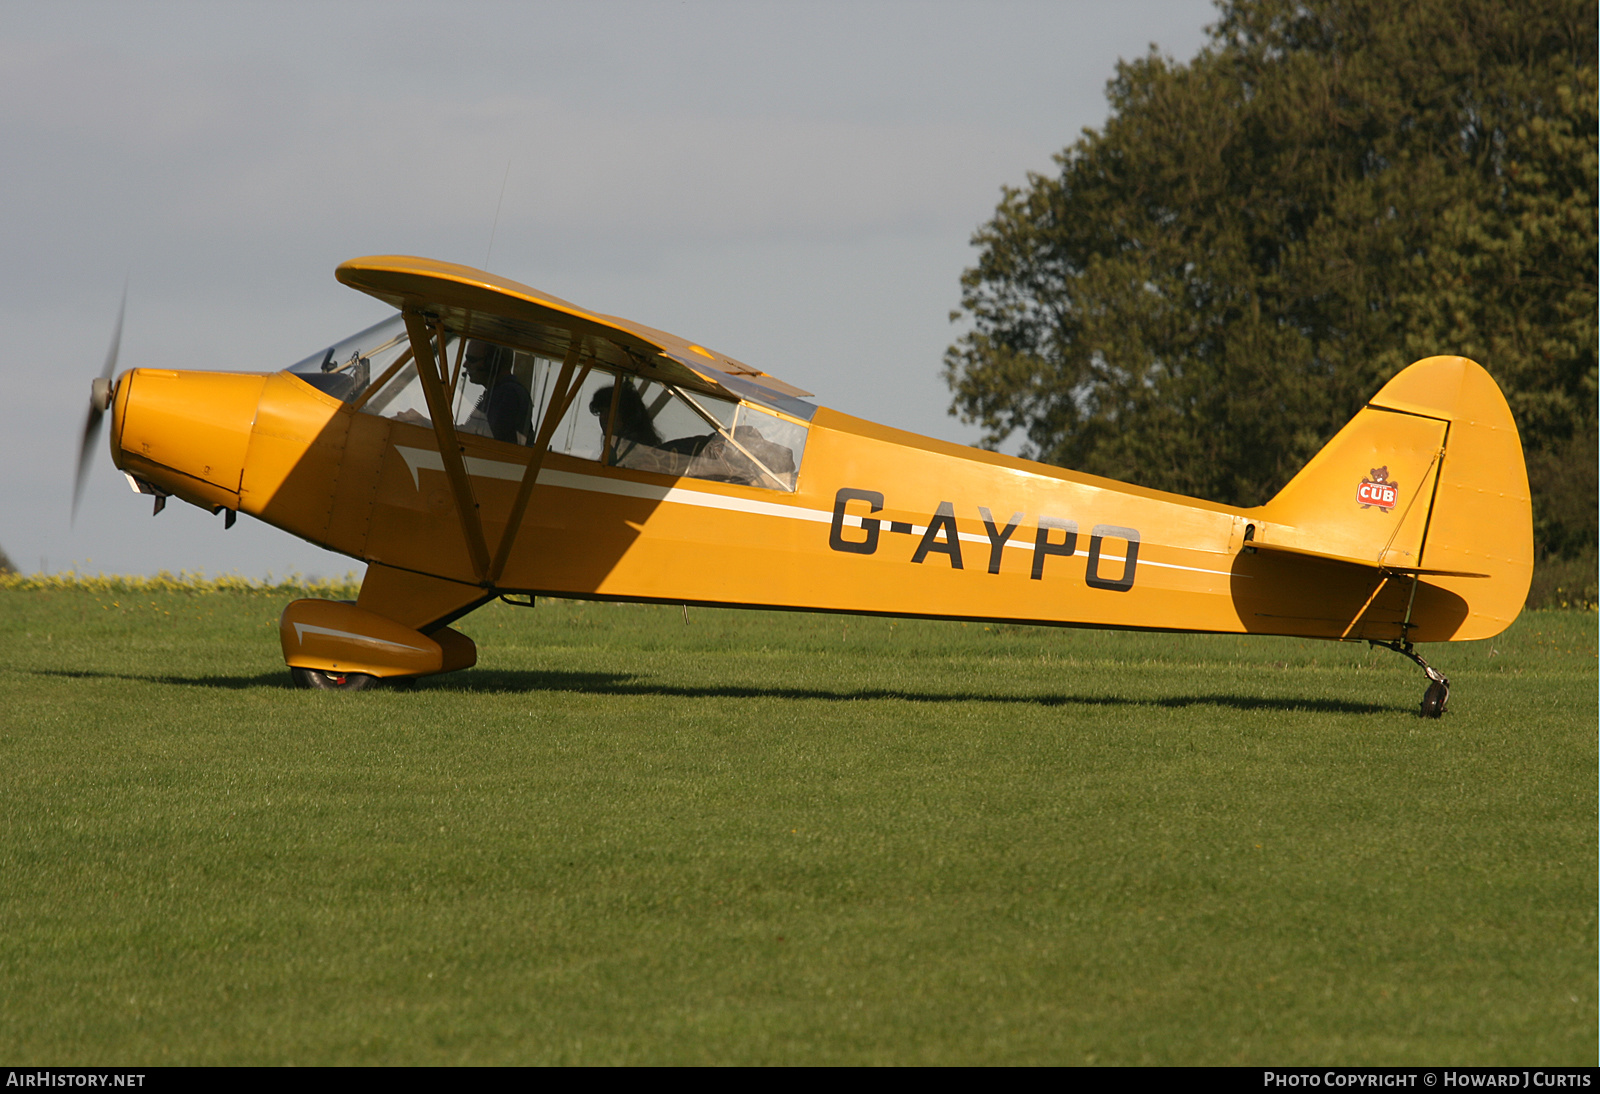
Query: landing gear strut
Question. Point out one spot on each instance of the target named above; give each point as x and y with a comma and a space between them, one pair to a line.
1438, 693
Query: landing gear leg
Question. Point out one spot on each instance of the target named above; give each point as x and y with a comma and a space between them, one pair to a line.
1438, 693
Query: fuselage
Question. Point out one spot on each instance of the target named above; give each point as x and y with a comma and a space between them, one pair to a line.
879, 521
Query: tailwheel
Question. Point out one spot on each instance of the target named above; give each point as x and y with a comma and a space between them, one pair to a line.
316, 680
1434, 699
1438, 693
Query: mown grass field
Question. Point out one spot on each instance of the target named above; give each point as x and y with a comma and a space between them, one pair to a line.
760, 838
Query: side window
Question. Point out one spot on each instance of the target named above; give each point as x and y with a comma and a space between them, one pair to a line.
774, 444
492, 397
656, 428
653, 428
397, 393
582, 431
502, 393
401, 398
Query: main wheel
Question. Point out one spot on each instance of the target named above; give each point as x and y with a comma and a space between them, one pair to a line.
317, 680
1433, 700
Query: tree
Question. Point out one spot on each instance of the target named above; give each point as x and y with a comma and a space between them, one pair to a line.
1259, 238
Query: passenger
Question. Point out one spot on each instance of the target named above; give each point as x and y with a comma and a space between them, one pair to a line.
635, 441
633, 419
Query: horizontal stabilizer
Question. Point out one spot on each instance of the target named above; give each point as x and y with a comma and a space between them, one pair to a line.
1385, 568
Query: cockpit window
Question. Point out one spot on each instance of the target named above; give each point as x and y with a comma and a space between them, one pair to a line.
503, 392
490, 385
774, 442
655, 427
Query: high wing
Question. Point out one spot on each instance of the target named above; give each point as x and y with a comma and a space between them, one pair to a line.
472, 302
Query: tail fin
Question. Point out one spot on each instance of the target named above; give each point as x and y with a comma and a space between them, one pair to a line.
1428, 480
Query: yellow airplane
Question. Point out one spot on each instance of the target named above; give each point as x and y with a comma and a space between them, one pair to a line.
490, 440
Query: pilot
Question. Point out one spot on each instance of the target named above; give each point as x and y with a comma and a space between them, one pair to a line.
504, 409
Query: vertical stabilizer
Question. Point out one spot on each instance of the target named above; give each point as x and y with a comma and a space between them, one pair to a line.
1427, 479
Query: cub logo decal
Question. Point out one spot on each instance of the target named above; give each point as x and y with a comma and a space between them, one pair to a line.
1378, 489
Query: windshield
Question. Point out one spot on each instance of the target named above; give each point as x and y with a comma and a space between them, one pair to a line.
345, 368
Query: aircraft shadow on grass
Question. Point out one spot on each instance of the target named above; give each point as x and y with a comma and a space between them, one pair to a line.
620, 684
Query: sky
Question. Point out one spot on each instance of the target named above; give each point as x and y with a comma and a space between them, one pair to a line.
794, 184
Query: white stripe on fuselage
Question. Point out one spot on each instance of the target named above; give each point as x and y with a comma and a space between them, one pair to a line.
303, 629
426, 459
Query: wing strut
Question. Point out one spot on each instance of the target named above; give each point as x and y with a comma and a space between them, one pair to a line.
567, 387
434, 371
